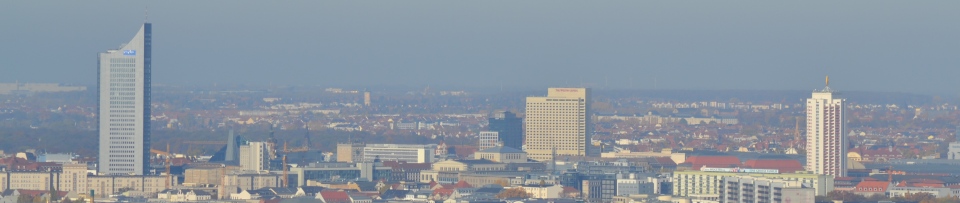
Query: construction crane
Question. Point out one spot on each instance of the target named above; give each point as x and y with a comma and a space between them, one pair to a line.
285, 176
167, 185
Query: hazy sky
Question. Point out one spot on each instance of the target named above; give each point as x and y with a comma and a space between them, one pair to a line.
863, 45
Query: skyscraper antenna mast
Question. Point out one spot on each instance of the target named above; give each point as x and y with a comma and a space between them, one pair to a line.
146, 13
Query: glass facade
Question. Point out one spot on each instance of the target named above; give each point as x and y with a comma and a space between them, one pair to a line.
124, 106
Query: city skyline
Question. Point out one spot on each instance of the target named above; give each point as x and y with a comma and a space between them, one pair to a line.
392, 102
629, 45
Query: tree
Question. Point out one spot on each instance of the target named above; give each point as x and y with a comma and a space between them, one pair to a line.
846, 196
921, 197
24, 199
517, 192
501, 182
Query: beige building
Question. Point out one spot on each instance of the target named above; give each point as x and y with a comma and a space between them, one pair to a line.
502, 155
560, 121
349, 153
255, 156
366, 98
481, 179
74, 177
449, 171
206, 175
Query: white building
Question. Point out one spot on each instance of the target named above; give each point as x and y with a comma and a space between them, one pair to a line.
560, 121
758, 189
124, 86
488, 139
182, 195
543, 192
707, 181
826, 141
255, 156
399, 152
954, 151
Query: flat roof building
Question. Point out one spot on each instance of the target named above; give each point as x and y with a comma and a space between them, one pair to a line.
560, 123
124, 107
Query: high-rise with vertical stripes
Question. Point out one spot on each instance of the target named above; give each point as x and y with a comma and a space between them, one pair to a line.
124, 120
826, 141
559, 122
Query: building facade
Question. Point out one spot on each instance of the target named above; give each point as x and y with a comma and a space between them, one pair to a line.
826, 141
399, 152
124, 106
708, 182
559, 122
74, 177
757, 189
509, 129
254, 156
502, 155
487, 140
349, 152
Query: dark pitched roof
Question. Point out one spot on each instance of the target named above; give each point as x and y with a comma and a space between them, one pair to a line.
490, 190
394, 194
283, 191
311, 189
366, 186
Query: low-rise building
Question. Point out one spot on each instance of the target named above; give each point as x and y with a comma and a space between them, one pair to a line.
760, 189
707, 181
181, 195
502, 155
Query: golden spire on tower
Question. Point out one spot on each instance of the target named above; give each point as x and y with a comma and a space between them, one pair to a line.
828, 81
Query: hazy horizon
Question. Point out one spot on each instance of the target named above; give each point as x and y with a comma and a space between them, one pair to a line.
876, 46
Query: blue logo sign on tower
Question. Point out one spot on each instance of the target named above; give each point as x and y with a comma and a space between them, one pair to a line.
129, 52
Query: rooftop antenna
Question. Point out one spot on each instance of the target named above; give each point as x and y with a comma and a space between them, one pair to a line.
146, 13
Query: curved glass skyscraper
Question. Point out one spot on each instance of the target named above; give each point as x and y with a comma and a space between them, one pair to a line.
124, 88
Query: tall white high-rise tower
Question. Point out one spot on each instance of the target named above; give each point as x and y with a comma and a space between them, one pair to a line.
826, 141
124, 88
560, 121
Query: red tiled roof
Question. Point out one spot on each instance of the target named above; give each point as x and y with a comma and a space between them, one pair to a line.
277, 200
871, 186
783, 165
570, 190
667, 161
921, 183
465, 150
713, 161
335, 197
462, 184
443, 191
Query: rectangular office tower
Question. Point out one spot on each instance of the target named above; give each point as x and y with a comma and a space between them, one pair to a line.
826, 141
124, 88
509, 129
560, 121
